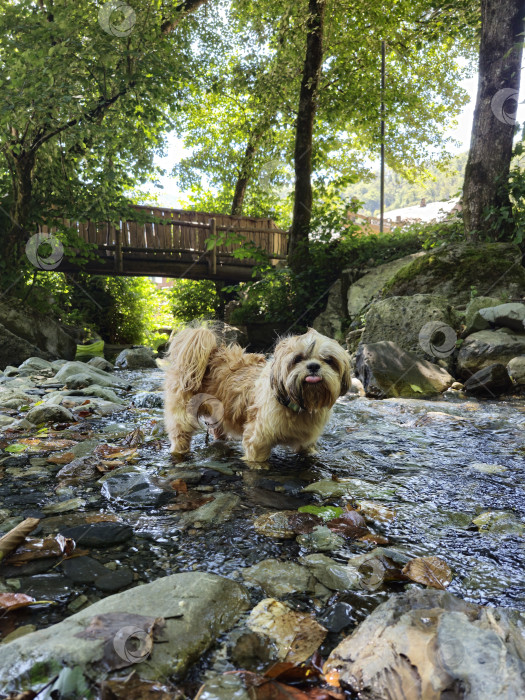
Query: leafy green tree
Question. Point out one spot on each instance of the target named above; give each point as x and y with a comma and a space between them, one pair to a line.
86, 92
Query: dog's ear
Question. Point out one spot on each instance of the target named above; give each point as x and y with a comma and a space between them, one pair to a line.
278, 372
346, 379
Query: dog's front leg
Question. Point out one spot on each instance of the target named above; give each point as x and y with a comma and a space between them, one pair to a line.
257, 447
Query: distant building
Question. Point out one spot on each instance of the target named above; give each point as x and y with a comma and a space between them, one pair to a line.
433, 211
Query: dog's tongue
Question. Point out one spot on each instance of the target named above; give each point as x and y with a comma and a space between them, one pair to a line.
311, 379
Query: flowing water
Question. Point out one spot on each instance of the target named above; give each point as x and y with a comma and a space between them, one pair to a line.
437, 464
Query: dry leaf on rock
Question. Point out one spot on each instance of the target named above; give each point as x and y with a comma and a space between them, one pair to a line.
115, 452
134, 439
295, 634
430, 571
13, 601
15, 537
268, 688
41, 549
189, 501
62, 458
350, 525
128, 638
179, 485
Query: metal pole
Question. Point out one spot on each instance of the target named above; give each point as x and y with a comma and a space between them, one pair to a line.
382, 174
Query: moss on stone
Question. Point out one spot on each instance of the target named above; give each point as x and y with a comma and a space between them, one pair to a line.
457, 270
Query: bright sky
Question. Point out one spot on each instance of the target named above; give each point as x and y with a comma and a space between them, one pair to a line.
170, 195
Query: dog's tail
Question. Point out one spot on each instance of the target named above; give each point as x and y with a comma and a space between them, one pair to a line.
187, 358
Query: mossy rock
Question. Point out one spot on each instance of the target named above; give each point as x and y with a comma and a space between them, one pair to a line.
455, 271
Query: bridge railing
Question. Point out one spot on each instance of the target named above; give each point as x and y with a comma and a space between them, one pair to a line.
166, 233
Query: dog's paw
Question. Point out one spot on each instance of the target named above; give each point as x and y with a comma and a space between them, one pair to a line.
256, 465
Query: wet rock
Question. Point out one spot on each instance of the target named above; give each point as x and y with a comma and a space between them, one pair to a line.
337, 617
102, 534
225, 687
280, 578
486, 348
36, 364
64, 506
46, 413
321, 539
106, 408
140, 357
98, 376
473, 320
516, 370
436, 646
275, 525
388, 371
489, 381
349, 487
5, 421
197, 607
485, 468
80, 469
334, 576
114, 580
375, 511
217, 511
499, 523
361, 293
508, 315
83, 569
134, 488
13, 398
101, 363
148, 399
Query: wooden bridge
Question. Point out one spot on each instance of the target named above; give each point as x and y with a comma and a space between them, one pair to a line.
177, 243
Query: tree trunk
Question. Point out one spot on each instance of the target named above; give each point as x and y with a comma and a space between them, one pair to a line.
21, 167
243, 179
298, 254
488, 165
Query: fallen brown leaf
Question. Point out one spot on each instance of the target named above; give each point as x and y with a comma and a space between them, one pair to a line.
13, 601
189, 501
64, 458
134, 439
134, 688
15, 537
430, 571
350, 524
114, 452
41, 549
179, 485
295, 634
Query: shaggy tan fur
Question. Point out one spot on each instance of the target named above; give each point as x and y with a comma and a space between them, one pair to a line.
285, 400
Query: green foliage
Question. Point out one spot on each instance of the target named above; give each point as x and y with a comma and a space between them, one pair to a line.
192, 299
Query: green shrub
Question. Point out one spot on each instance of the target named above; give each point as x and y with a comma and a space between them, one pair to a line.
193, 299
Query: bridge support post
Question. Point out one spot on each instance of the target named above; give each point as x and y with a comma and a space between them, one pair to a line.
119, 267
212, 260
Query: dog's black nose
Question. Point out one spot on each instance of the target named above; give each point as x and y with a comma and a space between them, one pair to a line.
313, 366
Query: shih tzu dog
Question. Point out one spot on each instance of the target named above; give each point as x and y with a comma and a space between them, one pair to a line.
285, 400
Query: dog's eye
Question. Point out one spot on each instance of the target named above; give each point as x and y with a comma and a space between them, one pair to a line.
330, 361
297, 359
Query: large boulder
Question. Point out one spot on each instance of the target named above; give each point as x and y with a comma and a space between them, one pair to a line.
140, 357
195, 606
90, 375
430, 645
361, 293
330, 321
403, 320
14, 349
454, 271
40, 330
388, 371
486, 348
490, 381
